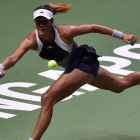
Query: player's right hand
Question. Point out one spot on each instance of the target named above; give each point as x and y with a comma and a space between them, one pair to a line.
2, 73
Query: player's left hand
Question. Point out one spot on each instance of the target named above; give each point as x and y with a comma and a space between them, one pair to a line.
131, 39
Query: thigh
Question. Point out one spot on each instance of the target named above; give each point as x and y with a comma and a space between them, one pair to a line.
67, 84
108, 81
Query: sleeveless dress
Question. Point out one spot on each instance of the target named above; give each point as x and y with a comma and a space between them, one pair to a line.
69, 56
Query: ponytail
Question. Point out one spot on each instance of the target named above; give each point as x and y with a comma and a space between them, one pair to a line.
55, 7
58, 7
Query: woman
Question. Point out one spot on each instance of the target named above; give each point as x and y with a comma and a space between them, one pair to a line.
80, 63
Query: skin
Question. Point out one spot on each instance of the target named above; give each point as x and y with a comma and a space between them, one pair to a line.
65, 85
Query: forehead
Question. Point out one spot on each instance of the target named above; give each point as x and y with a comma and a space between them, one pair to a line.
41, 18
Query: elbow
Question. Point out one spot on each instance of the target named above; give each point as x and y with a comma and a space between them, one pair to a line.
95, 28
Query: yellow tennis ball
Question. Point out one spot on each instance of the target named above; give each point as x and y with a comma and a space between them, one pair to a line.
52, 63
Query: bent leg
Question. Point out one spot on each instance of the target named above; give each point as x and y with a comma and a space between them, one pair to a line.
63, 87
108, 81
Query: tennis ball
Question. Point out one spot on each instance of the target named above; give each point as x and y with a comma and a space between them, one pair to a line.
52, 63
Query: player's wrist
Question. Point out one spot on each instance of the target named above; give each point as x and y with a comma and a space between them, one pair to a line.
30, 139
117, 34
2, 67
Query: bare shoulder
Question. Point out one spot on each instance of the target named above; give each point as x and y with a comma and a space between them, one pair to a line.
30, 41
75, 30
63, 29
65, 32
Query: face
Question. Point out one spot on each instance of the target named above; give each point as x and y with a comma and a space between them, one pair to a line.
43, 25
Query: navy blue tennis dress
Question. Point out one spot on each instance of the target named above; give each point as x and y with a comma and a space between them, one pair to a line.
69, 56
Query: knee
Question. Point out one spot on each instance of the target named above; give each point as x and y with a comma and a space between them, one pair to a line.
119, 87
47, 100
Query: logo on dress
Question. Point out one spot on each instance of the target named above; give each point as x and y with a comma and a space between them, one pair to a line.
50, 47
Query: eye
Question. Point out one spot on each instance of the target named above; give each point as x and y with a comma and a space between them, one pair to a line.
42, 22
38, 22
45, 21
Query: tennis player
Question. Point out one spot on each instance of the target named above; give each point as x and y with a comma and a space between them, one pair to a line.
53, 42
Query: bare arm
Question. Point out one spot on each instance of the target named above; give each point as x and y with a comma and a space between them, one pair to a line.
26, 44
19, 52
76, 30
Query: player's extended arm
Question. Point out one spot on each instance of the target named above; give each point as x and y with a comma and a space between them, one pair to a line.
10, 61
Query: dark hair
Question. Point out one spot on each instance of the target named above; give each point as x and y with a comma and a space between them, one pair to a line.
55, 7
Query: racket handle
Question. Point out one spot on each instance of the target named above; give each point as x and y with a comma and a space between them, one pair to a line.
0, 73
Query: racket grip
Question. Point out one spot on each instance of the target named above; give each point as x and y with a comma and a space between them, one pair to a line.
0, 73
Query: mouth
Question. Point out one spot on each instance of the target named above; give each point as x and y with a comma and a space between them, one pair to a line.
41, 29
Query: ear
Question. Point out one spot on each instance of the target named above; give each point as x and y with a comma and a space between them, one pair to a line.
52, 20
34, 24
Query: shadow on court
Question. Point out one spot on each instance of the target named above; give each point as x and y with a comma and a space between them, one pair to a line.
112, 137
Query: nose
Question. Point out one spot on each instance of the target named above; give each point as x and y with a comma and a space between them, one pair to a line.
41, 24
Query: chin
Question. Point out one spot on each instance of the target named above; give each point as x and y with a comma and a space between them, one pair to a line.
41, 32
